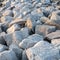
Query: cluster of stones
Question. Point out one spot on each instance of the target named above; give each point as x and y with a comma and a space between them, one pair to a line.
30, 30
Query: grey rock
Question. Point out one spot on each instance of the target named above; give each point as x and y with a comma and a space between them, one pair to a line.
42, 51
53, 35
18, 51
8, 55
30, 41
44, 29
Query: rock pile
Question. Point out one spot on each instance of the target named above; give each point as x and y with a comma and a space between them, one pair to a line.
29, 29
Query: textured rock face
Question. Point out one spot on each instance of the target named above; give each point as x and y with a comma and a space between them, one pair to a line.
42, 51
30, 30
30, 41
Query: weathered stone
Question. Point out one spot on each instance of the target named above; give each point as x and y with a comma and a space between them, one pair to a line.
8, 55
30, 41
7, 13
8, 38
44, 29
17, 50
53, 35
42, 51
6, 19
13, 28
25, 32
54, 20
3, 48
24, 56
17, 37
2, 41
55, 42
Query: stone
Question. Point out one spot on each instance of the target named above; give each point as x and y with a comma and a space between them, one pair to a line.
54, 20
8, 38
8, 55
13, 28
17, 37
25, 32
44, 29
2, 41
6, 19
8, 13
30, 41
24, 56
3, 48
43, 51
53, 35
55, 42
18, 51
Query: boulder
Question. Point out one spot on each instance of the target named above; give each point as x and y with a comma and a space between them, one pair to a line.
3, 48
8, 55
30, 41
53, 35
18, 51
44, 29
6, 19
13, 28
24, 56
42, 51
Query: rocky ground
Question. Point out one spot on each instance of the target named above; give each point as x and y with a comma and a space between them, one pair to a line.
30, 30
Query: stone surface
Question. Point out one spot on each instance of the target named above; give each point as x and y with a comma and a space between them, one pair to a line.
42, 51
44, 29
8, 55
30, 41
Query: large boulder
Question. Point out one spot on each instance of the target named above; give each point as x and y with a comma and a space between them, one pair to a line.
42, 51
30, 41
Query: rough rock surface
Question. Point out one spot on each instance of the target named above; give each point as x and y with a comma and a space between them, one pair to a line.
29, 29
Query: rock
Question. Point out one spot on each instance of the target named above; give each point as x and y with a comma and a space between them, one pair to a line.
24, 56
13, 28
55, 42
42, 51
44, 29
54, 20
17, 50
3, 48
30, 41
18, 21
17, 37
6, 19
8, 55
8, 38
25, 32
2, 41
8, 13
45, 1
53, 35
